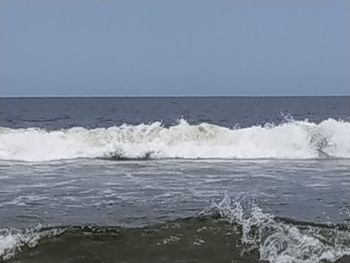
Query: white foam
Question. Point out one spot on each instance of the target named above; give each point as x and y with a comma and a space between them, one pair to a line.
280, 242
12, 240
292, 140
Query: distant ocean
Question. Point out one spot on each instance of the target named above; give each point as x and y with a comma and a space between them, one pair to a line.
188, 179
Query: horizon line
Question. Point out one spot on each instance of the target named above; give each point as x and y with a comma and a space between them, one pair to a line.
169, 96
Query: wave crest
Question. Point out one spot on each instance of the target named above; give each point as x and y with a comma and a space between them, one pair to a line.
231, 230
283, 240
291, 140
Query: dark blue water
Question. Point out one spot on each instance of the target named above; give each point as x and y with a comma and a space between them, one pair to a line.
56, 113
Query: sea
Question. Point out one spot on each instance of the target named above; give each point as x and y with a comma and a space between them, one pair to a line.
175, 179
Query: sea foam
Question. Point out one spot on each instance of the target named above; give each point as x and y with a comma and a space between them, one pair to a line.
282, 242
291, 140
12, 240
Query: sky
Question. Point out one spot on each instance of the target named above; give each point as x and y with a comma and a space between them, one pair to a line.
174, 48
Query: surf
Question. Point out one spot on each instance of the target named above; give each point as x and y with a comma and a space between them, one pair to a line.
290, 140
226, 231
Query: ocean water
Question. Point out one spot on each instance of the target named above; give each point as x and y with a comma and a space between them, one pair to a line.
175, 179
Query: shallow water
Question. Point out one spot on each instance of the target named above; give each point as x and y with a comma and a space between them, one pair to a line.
136, 194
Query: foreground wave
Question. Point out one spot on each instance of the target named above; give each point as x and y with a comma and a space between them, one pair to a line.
291, 140
224, 232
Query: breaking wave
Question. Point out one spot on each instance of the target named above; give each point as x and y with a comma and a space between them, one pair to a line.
291, 140
12, 240
227, 231
283, 240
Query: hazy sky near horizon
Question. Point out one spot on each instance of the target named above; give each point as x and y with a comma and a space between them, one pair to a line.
131, 48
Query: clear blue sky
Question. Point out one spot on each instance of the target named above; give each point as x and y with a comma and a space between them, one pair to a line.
190, 47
